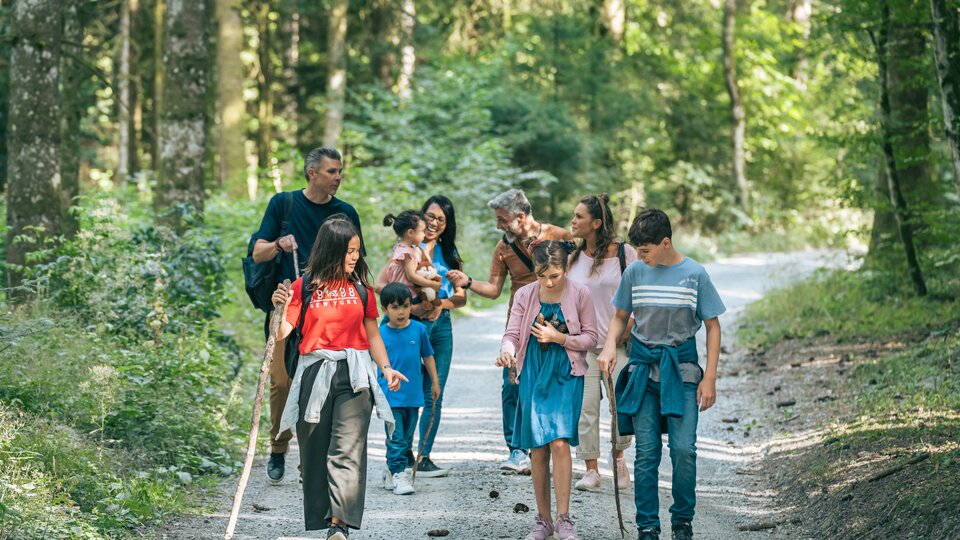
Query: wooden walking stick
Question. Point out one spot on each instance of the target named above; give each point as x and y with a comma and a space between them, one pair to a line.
614, 436
433, 416
279, 313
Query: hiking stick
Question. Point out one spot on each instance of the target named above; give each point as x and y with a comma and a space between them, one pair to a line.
614, 435
279, 313
433, 416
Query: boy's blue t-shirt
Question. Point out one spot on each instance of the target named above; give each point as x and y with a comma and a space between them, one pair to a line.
406, 347
668, 303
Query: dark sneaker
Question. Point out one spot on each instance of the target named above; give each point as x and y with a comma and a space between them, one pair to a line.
681, 530
275, 468
411, 459
429, 469
649, 533
336, 532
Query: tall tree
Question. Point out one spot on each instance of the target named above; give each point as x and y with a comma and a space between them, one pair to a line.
33, 168
337, 72
408, 55
182, 116
946, 41
737, 114
264, 87
159, 8
125, 118
290, 29
386, 42
887, 57
799, 13
71, 106
230, 139
615, 18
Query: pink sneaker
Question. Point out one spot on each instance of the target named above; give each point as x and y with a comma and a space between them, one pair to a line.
565, 528
542, 530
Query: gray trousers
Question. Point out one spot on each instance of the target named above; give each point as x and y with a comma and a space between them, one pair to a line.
333, 452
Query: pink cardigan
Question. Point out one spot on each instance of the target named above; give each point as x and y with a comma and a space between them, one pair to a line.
578, 312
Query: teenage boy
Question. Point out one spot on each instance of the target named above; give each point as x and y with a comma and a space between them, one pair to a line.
407, 343
663, 385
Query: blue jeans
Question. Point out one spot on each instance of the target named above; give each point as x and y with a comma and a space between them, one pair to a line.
402, 440
441, 339
509, 400
682, 441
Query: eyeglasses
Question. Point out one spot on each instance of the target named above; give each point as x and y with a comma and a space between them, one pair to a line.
431, 217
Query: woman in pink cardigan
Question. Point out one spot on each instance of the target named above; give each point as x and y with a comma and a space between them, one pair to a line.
560, 316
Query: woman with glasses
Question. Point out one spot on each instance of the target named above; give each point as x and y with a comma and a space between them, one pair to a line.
440, 245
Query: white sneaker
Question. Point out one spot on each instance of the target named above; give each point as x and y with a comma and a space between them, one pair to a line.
402, 486
623, 475
387, 479
518, 462
590, 481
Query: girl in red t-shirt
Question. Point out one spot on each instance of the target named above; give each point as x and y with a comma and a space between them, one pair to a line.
335, 388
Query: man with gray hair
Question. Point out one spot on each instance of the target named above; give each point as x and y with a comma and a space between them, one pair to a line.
290, 223
511, 257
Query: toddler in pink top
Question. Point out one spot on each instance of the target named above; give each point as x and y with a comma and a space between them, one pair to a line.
408, 263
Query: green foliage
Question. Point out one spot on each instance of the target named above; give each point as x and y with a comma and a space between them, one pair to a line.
848, 305
122, 378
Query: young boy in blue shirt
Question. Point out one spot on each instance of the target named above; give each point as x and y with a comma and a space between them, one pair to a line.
663, 386
407, 343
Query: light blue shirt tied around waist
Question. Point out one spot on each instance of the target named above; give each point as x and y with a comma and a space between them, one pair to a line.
634, 378
363, 374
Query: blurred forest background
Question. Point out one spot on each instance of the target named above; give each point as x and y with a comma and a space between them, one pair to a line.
141, 139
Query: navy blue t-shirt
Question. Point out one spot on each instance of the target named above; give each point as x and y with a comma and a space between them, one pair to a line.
306, 217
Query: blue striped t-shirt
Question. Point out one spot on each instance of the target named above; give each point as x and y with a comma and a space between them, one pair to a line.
668, 303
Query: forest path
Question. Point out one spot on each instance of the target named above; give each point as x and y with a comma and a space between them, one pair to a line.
470, 443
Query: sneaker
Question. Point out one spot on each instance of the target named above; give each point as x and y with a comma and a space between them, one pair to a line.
623, 475
411, 459
590, 481
649, 533
337, 532
518, 462
402, 486
542, 530
565, 528
681, 530
275, 468
429, 469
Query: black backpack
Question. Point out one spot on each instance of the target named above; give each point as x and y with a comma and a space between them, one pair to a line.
291, 351
260, 279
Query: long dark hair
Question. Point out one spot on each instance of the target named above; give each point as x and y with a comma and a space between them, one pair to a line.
598, 206
329, 251
447, 239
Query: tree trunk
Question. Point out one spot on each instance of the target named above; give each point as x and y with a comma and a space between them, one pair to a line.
291, 61
230, 140
124, 118
136, 90
799, 13
71, 110
408, 62
736, 103
159, 8
265, 88
615, 18
337, 72
901, 210
182, 118
33, 169
386, 28
946, 40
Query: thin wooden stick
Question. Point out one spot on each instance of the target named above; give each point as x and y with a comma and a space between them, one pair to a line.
614, 437
433, 416
279, 313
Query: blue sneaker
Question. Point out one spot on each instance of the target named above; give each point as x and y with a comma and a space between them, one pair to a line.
518, 462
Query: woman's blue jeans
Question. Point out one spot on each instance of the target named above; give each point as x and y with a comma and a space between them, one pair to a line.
682, 442
441, 339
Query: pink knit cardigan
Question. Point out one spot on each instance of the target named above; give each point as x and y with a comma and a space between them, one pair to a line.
578, 312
